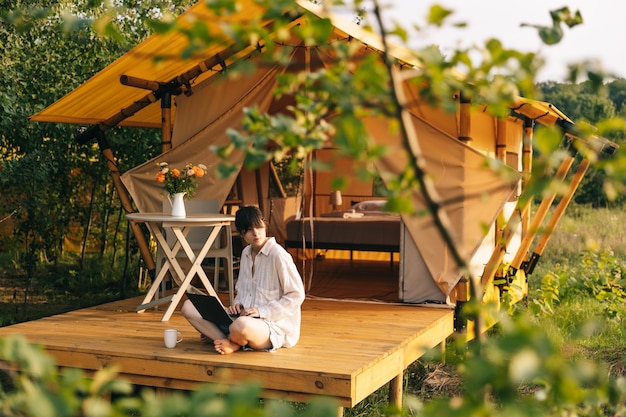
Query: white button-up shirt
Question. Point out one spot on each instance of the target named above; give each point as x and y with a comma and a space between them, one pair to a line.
275, 289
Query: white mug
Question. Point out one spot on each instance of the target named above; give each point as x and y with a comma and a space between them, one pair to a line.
172, 337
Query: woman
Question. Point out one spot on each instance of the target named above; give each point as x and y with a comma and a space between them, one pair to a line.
269, 294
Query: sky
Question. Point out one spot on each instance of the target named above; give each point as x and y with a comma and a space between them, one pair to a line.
601, 37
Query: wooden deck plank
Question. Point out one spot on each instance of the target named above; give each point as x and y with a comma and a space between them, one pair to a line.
347, 350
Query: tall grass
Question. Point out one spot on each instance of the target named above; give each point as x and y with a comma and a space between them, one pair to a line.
584, 228
62, 286
583, 270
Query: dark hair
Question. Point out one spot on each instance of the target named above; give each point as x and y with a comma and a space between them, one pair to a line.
248, 217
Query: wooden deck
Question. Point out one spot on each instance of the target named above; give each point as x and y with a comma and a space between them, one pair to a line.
348, 349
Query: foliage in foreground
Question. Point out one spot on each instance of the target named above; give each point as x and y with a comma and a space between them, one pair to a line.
40, 389
522, 354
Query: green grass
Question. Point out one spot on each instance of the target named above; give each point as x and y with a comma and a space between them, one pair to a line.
586, 260
583, 228
61, 287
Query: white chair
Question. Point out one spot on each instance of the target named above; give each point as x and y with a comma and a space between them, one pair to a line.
196, 238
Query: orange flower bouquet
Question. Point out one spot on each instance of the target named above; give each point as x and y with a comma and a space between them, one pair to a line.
180, 180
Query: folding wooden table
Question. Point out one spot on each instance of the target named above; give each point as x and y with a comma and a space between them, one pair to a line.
180, 227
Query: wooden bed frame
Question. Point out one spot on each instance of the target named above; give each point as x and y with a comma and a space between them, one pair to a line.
367, 233
368, 247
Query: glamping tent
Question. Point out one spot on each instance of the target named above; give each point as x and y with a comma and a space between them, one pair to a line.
456, 147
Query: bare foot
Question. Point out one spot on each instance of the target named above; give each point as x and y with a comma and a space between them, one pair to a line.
225, 346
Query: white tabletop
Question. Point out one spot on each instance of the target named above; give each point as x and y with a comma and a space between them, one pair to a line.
190, 218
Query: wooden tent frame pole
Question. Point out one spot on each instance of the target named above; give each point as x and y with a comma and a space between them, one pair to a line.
166, 118
279, 183
529, 266
465, 119
527, 166
127, 204
495, 261
537, 220
501, 154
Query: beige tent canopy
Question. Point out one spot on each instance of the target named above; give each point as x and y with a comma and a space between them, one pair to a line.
214, 102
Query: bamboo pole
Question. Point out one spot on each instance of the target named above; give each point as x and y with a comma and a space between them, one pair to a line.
501, 154
137, 82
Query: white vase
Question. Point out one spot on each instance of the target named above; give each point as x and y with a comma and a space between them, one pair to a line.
178, 204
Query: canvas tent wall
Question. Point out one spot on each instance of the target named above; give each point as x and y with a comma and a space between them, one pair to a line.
215, 104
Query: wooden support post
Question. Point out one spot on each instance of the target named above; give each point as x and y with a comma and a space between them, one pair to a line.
166, 122
395, 391
462, 295
527, 162
277, 180
501, 154
127, 204
442, 348
259, 187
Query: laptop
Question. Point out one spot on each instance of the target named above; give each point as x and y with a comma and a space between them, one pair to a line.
211, 309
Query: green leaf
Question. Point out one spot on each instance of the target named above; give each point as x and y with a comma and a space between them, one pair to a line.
316, 31
222, 7
225, 170
564, 15
160, 25
437, 15
551, 35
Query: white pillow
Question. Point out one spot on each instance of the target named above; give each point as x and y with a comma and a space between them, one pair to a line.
370, 205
